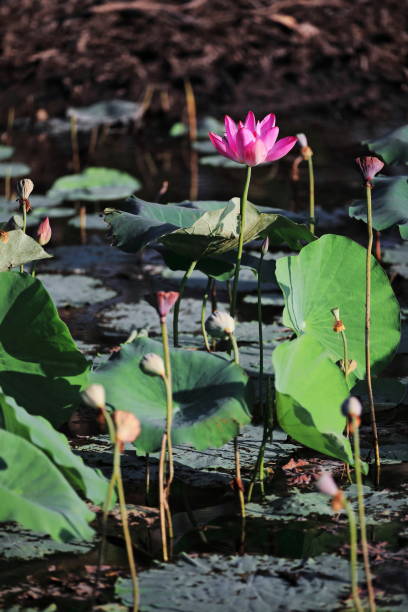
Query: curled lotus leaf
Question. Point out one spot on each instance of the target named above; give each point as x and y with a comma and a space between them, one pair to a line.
393, 147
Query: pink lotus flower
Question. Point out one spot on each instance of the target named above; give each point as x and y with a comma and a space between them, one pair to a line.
127, 427
253, 142
44, 232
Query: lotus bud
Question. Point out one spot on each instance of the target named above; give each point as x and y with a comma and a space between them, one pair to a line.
369, 167
153, 365
338, 323
265, 246
44, 232
351, 407
24, 188
127, 427
166, 301
220, 324
94, 396
326, 485
304, 146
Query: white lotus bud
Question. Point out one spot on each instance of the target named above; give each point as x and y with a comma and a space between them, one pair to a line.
24, 188
351, 407
94, 396
153, 365
220, 324
302, 140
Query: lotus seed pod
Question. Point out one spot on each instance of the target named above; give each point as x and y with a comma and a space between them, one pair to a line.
153, 365
24, 188
369, 167
127, 426
44, 232
351, 407
325, 483
166, 301
94, 396
220, 324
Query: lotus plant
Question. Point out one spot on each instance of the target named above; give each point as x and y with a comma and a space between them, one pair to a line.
24, 188
43, 237
307, 155
250, 143
326, 484
369, 167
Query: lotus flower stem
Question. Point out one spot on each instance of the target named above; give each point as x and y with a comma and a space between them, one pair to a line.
259, 469
74, 144
147, 479
163, 529
177, 304
203, 307
235, 348
345, 355
260, 331
240, 488
311, 195
353, 555
241, 240
125, 525
24, 228
361, 512
368, 333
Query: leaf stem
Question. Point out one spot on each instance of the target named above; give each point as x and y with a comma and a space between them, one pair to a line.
240, 488
177, 304
260, 333
353, 556
311, 195
243, 204
203, 307
24, 228
368, 335
361, 513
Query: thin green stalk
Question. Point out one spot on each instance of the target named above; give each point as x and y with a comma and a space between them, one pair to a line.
260, 332
345, 355
241, 241
125, 527
241, 496
163, 529
361, 514
24, 227
259, 469
235, 348
353, 556
177, 304
147, 479
203, 307
311, 195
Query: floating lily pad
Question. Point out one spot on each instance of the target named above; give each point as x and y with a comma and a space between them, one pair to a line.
109, 112
75, 289
252, 583
209, 393
5, 152
13, 169
42, 368
389, 200
17, 543
89, 258
93, 221
17, 248
393, 147
94, 184
295, 506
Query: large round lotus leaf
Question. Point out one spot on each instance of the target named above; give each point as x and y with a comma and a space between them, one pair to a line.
209, 393
94, 184
108, 112
13, 169
197, 232
393, 147
18, 248
390, 204
39, 432
310, 390
35, 494
5, 152
41, 368
330, 273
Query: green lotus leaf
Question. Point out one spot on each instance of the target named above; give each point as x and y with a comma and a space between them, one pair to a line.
41, 367
94, 184
19, 249
39, 432
393, 147
197, 232
5, 152
330, 273
310, 390
390, 204
108, 112
209, 393
35, 494
13, 169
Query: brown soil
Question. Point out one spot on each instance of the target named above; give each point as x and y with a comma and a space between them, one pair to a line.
340, 54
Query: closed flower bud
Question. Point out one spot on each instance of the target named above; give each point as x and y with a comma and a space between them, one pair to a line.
153, 365
166, 301
94, 396
44, 232
351, 407
24, 188
369, 167
220, 324
325, 483
265, 246
305, 150
127, 427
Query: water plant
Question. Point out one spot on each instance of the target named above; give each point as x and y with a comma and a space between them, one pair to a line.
307, 155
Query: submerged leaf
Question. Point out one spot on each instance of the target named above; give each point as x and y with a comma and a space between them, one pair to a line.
393, 147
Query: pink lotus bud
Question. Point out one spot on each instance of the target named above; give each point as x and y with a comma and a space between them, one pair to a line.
326, 484
265, 246
369, 167
166, 301
351, 407
127, 427
44, 232
220, 324
94, 396
252, 142
153, 365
